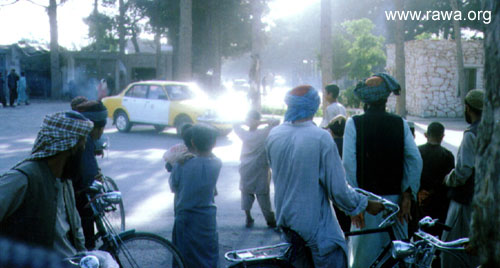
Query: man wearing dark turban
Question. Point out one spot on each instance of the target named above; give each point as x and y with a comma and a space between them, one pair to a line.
89, 170
380, 155
37, 204
307, 174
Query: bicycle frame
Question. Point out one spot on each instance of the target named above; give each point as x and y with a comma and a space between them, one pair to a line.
421, 253
267, 252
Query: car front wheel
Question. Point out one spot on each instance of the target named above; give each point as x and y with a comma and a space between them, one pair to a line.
122, 122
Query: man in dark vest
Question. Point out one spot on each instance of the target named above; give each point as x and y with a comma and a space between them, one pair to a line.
37, 203
380, 155
461, 180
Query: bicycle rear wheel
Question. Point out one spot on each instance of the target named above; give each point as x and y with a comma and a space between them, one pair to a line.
116, 215
147, 250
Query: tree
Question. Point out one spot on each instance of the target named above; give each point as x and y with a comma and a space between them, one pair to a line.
255, 69
400, 61
101, 29
462, 90
326, 48
366, 49
55, 70
486, 212
185, 40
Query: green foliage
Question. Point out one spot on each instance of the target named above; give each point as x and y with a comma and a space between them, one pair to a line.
424, 36
357, 52
348, 98
101, 32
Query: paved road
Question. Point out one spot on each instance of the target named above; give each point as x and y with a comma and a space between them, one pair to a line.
134, 161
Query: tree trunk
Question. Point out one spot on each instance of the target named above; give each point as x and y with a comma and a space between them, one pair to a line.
400, 62
134, 41
185, 40
216, 82
255, 69
55, 72
326, 48
121, 28
173, 39
158, 53
486, 212
462, 90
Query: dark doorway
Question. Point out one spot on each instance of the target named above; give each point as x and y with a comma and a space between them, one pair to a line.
470, 78
140, 74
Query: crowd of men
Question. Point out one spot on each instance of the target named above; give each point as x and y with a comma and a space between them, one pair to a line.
379, 154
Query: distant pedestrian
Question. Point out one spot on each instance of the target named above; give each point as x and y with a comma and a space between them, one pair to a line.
102, 89
336, 128
437, 163
21, 90
193, 182
254, 169
2, 92
12, 80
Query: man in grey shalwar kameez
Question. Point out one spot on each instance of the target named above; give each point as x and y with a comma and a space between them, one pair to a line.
380, 155
461, 180
307, 174
254, 168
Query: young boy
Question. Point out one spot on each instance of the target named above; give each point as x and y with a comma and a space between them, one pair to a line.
181, 151
334, 108
193, 182
437, 163
254, 169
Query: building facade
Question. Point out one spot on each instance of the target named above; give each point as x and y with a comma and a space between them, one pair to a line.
432, 77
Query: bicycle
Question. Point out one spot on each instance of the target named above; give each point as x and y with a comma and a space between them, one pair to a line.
279, 255
115, 212
129, 248
421, 253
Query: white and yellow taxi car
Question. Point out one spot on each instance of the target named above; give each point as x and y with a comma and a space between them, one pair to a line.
162, 104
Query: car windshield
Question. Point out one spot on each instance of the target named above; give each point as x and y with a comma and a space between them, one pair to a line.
182, 92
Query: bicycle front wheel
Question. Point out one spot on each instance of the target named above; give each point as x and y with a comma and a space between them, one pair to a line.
147, 250
116, 215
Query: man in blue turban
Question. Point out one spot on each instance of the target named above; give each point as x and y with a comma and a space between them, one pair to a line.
380, 156
307, 174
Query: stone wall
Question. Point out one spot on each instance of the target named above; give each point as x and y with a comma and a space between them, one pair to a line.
431, 76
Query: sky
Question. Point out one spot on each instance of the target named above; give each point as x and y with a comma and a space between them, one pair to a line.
27, 20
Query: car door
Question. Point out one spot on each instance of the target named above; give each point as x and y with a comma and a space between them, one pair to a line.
135, 101
157, 105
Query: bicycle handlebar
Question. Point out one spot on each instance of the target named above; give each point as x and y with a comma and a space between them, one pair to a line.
458, 244
427, 222
391, 209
